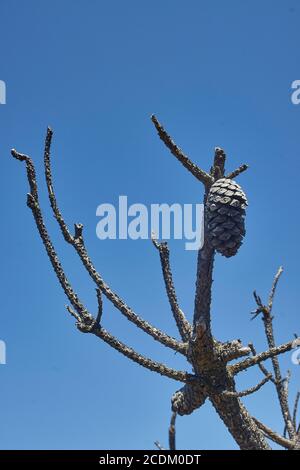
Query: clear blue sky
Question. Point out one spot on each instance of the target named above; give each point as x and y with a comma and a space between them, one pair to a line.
216, 74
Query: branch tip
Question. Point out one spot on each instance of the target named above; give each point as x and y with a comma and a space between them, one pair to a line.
200, 174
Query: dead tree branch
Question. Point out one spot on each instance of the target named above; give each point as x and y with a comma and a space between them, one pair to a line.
77, 242
252, 361
249, 391
213, 377
261, 366
280, 384
201, 175
158, 367
274, 436
158, 445
184, 327
172, 432
295, 410
237, 172
33, 204
86, 322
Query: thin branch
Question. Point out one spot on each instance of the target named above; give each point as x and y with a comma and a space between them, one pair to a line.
78, 243
48, 175
129, 352
159, 446
157, 334
31, 176
172, 432
252, 361
295, 410
33, 204
184, 327
274, 436
249, 391
274, 286
260, 365
286, 382
73, 313
200, 174
281, 385
100, 306
237, 172
154, 366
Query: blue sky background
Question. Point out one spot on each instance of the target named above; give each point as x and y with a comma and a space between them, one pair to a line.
215, 73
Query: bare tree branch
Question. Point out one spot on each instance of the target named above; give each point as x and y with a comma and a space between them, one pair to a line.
78, 243
274, 436
205, 265
73, 313
184, 327
234, 350
260, 365
172, 432
252, 361
281, 385
209, 357
86, 322
249, 391
295, 410
159, 446
237, 172
157, 334
100, 306
48, 176
129, 352
201, 175
33, 204
205, 261
218, 168
154, 366
274, 286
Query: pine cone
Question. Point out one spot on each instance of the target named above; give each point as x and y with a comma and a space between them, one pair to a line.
225, 214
